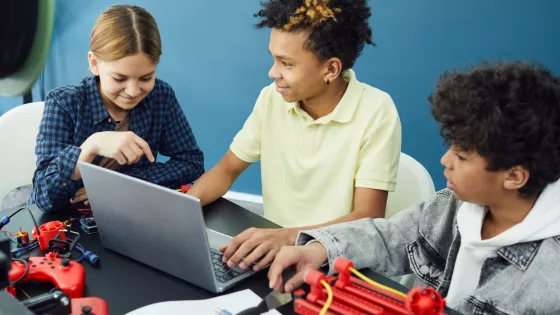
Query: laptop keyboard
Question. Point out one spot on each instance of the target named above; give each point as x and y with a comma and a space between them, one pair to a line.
222, 271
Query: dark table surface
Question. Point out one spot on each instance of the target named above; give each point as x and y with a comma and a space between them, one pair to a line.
127, 285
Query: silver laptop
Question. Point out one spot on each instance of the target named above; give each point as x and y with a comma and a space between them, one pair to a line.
159, 227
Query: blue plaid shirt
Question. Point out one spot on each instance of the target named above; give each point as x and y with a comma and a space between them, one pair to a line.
73, 113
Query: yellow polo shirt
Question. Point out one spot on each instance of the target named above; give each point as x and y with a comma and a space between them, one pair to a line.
309, 168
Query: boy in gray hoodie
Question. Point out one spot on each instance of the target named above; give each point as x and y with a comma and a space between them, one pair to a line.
489, 242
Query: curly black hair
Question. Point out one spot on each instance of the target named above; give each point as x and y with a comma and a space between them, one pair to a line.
338, 28
509, 113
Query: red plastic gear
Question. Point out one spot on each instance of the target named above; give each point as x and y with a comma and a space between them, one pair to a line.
424, 301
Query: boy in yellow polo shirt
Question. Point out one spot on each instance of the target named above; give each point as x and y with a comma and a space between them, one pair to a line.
329, 145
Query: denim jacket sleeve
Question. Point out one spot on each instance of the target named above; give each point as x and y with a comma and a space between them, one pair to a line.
378, 243
381, 243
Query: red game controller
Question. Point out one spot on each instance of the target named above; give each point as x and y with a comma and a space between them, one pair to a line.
64, 273
89, 306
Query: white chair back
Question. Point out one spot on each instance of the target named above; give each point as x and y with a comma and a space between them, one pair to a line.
18, 132
414, 185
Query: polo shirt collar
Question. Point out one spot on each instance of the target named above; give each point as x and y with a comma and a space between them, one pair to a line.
344, 110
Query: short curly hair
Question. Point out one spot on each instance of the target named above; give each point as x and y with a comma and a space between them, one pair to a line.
338, 28
509, 113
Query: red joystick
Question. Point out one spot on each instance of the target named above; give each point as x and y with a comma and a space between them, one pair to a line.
89, 306
64, 273
424, 301
49, 231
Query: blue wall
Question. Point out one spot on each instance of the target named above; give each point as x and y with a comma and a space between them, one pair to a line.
207, 44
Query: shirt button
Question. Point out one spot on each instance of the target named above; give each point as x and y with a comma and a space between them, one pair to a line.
64, 184
109, 120
424, 270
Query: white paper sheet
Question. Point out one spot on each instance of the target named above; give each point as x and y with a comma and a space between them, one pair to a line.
233, 302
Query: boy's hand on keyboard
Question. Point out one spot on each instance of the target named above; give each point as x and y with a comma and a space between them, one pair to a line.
300, 258
256, 245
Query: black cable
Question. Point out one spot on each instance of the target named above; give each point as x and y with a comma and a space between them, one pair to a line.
23, 261
15, 212
6, 219
32, 217
34, 222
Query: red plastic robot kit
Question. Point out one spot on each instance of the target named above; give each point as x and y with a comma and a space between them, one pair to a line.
67, 275
347, 295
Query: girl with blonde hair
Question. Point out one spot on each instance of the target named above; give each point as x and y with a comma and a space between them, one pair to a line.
120, 118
